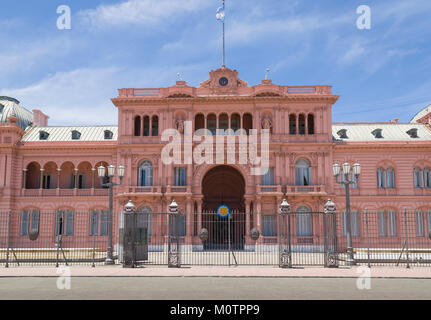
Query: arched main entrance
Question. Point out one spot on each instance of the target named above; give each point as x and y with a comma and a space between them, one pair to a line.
223, 185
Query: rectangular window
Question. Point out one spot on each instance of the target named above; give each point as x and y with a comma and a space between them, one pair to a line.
304, 225
391, 178
418, 178
382, 223
35, 218
94, 222
268, 178
429, 221
268, 226
81, 181
72, 181
179, 225
64, 222
180, 176
392, 223
303, 176
427, 178
354, 223
145, 221
420, 223
47, 182
24, 223
381, 178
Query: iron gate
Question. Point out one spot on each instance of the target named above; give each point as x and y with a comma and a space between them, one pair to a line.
307, 238
176, 239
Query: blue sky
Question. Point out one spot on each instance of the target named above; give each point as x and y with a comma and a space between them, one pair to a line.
380, 74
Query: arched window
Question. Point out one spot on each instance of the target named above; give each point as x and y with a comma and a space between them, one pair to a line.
303, 173
137, 126
145, 219
310, 120
199, 121
146, 130
301, 124
247, 122
292, 124
223, 124
304, 222
145, 174
212, 123
235, 122
155, 126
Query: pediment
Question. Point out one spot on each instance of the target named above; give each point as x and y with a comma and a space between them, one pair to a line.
223, 81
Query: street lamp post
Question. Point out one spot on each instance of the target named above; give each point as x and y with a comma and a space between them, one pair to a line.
110, 184
346, 181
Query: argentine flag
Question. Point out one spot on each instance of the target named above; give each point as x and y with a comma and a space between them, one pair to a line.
220, 14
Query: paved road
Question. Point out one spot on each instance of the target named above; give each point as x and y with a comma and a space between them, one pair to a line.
212, 288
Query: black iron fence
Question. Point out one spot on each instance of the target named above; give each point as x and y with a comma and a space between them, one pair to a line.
379, 237
51, 238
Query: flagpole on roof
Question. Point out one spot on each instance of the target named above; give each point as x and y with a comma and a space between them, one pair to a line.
220, 16
223, 63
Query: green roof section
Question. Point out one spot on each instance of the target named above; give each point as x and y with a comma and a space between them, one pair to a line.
11, 106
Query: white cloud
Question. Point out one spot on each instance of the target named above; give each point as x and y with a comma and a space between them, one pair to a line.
143, 12
23, 55
82, 96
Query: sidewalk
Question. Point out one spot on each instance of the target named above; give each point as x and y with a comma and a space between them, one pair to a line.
268, 272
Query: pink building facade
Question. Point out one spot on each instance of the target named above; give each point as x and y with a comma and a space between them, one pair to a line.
47, 168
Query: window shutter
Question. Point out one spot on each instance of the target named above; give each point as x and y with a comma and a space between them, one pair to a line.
104, 223
298, 176
429, 220
150, 176
382, 223
58, 216
35, 220
72, 181
392, 223
69, 223
183, 176
83, 181
24, 223
94, 222
344, 223
354, 220
420, 223
143, 177
310, 176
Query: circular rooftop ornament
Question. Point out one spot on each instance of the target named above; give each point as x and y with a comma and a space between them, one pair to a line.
223, 81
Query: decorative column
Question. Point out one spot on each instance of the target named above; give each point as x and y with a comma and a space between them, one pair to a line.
24, 183
93, 170
76, 180
41, 177
247, 220
189, 221
258, 216
331, 254
199, 215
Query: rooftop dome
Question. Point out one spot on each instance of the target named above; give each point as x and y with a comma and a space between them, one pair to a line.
10, 106
421, 114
